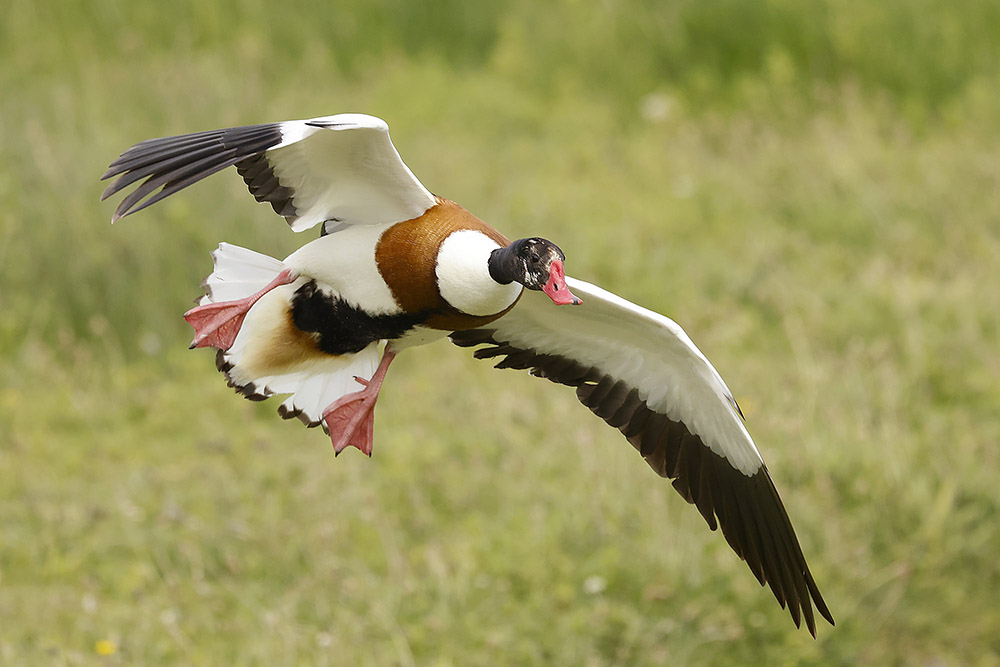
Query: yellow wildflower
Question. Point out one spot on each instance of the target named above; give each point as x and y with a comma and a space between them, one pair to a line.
105, 647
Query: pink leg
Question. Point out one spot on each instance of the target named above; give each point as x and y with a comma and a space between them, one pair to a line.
351, 418
216, 324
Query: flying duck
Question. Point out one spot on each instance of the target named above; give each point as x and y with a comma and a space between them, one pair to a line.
396, 266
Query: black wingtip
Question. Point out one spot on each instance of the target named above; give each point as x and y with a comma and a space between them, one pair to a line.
170, 164
823, 610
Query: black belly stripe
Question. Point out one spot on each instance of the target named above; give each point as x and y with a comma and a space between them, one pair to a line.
343, 328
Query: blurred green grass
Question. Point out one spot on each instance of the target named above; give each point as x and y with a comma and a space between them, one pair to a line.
808, 188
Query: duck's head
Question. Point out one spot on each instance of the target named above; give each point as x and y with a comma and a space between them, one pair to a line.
535, 263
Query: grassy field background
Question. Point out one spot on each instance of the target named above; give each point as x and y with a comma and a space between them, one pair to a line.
809, 188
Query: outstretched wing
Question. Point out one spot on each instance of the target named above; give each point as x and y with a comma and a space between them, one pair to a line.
641, 373
343, 169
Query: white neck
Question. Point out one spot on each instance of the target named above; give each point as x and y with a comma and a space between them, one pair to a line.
463, 275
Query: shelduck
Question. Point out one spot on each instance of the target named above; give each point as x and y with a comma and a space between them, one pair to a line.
396, 266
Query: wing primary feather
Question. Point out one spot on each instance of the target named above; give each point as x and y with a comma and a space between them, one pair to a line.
652, 445
516, 359
654, 441
796, 572
772, 569
490, 352
168, 163
629, 405
592, 395
148, 152
613, 401
553, 367
248, 140
781, 565
818, 600
806, 585
636, 424
177, 162
685, 454
172, 181
703, 499
734, 527
675, 454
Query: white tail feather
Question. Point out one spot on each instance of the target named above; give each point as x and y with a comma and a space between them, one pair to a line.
314, 391
239, 272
